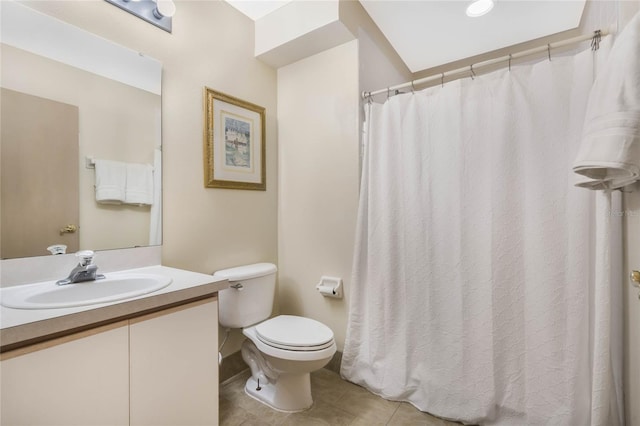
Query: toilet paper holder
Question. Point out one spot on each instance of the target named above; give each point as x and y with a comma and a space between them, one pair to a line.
330, 287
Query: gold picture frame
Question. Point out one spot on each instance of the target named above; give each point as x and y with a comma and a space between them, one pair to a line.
234, 143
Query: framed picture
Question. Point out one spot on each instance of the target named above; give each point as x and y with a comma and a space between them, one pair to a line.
234, 143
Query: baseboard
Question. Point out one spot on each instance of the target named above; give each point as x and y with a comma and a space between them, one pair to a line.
334, 364
233, 365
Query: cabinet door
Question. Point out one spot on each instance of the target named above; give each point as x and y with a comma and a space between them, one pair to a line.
79, 380
174, 366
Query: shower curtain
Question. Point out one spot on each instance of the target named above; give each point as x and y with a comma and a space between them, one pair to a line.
485, 285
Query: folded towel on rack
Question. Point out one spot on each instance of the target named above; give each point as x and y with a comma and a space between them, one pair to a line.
609, 153
111, 178
139, 186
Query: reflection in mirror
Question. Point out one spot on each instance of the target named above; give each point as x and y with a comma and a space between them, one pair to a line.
70, 100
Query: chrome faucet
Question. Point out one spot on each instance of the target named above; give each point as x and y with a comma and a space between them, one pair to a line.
85, 271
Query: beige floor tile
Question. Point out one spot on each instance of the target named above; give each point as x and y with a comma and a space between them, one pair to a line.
360, 421
298, 420
234, 388
233, 415
260, 414
228, 414
266, 414
321, 413
328, 386
254, 422
336, 403
408, 415
362, 403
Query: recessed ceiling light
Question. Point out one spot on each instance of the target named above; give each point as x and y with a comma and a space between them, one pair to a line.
479, 8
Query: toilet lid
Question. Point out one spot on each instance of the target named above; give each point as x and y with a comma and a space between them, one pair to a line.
295, 333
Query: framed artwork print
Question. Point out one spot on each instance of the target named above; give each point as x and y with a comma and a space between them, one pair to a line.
234, 143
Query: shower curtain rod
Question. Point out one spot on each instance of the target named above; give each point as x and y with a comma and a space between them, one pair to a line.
595, 39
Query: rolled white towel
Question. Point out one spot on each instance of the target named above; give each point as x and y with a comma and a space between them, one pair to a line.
609, 153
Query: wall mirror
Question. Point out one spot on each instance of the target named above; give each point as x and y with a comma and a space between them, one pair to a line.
70, 99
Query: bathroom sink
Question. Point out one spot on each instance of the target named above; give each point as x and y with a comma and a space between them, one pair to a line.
114, 287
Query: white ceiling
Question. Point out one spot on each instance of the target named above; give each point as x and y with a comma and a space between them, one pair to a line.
428, 33
256, 9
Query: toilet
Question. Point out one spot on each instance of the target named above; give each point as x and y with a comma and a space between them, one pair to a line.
282, 351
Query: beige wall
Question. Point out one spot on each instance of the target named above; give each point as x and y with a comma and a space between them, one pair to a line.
318, 103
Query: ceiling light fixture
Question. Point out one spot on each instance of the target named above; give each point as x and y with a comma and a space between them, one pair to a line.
479, 8
156, 12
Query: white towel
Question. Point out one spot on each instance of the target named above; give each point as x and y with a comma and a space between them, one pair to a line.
111, 178
139, 187
609, 154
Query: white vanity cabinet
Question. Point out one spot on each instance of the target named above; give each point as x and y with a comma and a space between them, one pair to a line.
174, 366
79, 380
157, 369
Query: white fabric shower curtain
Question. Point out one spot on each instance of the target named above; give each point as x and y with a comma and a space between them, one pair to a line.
481, 290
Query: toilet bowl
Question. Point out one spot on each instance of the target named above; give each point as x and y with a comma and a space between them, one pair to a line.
282, 351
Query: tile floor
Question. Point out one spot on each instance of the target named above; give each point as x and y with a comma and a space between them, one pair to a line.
336, 403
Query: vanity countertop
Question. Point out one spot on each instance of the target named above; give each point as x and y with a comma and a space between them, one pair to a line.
22, 327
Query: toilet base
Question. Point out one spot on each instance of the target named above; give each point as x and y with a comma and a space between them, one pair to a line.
290, 394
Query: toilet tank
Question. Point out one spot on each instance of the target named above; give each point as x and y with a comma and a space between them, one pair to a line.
249, 297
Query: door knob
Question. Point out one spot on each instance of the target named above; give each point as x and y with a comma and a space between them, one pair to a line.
635, 280
69, 229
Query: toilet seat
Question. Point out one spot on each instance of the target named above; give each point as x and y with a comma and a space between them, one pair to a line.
286, 354
294, 333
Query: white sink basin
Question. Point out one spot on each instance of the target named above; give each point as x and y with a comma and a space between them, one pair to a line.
48, 295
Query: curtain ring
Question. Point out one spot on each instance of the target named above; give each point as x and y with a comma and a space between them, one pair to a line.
413, 88
595, 41
442, 80
473, 74
509, 61
388, 93
549, 51
369, 98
